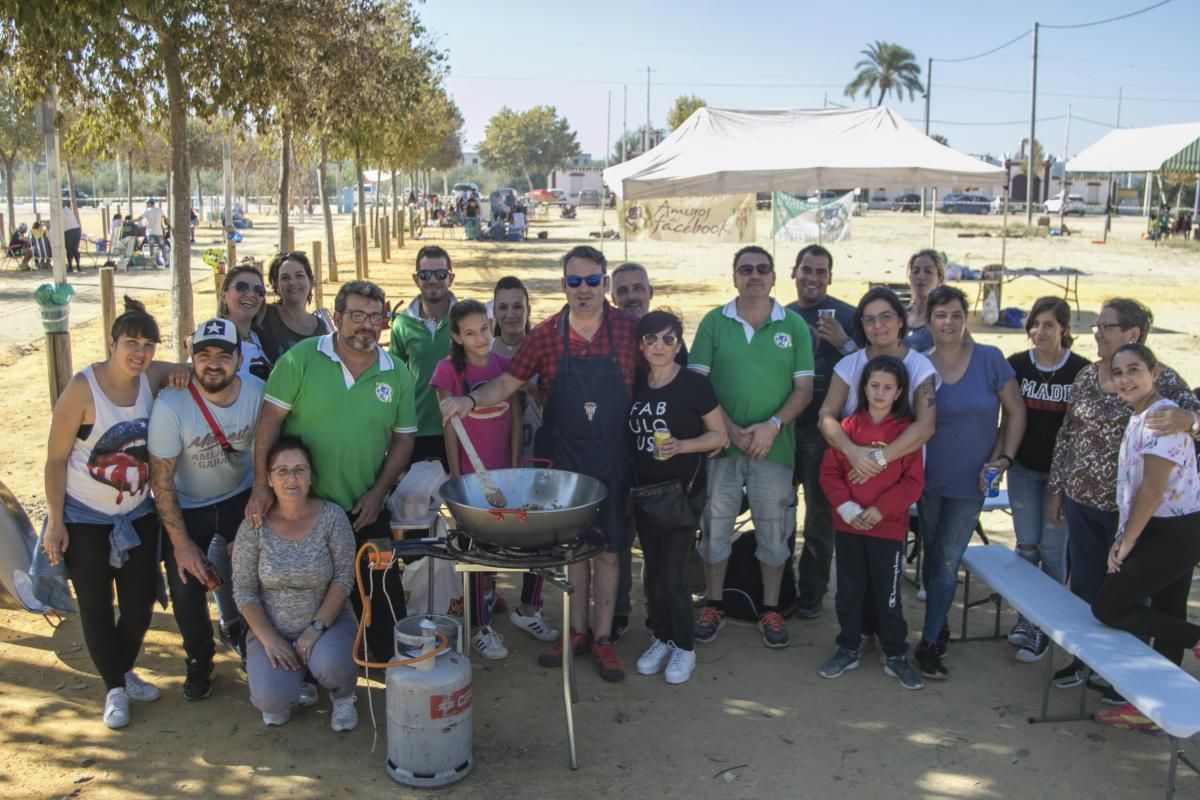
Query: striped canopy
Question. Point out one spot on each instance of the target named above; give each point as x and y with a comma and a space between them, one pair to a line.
1172, 148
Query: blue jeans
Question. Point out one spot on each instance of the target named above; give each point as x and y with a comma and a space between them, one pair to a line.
1091, 535
1045, 538
946, 527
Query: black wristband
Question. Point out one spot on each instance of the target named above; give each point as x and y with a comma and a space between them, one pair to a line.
474, 402
1007, 458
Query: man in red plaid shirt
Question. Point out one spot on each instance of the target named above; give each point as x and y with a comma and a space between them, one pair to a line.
585, 357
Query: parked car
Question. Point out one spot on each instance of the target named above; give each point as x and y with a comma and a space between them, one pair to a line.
589, 198
965, 204
1074, 205
465, 191
907, 202
82, 199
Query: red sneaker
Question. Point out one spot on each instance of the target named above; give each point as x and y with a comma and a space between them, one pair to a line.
580, 642
774, 634
604, 653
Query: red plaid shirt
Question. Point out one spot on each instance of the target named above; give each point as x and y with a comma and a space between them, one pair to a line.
542, 349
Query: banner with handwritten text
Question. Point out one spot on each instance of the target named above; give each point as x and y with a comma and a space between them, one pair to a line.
713, 218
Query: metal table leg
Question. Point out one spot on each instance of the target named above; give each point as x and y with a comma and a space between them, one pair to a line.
570, 693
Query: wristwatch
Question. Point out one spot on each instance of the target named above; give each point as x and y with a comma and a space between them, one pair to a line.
318, 625
880, 457
777, 422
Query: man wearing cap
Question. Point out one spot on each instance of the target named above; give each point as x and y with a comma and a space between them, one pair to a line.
352, 405
759, 358
420, 339
585, 357
153, 217
201, 469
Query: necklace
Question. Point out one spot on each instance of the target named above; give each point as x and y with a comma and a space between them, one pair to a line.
1054, 371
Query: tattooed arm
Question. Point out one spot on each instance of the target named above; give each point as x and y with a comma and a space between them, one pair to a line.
188, 557
916, 435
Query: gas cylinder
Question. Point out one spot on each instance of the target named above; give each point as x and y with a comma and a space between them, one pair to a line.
429, 713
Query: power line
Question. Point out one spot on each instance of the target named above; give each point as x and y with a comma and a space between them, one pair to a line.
998, 48
1110, 19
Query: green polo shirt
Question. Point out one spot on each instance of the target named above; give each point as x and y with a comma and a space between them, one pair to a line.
752, 370
420, 346
346, 423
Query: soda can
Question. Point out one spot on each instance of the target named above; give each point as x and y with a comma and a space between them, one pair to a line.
659, 438
991, 479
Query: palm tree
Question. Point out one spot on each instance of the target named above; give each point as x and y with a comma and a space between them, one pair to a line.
889, 68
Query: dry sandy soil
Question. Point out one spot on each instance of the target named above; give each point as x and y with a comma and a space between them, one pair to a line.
752, 723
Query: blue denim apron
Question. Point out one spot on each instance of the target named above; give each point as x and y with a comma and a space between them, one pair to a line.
584, 428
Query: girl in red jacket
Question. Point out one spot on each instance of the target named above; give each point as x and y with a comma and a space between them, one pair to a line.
872, 520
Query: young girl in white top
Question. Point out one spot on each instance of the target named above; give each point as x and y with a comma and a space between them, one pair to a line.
1158, 535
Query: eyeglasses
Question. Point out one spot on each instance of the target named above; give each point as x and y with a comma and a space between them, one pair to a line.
761, 269
1104, 328
574, 281
359, 317
669, 339
241, 287
432, 274
886, 318
299, 473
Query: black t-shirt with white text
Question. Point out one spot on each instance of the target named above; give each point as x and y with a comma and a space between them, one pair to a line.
1045, 393
678, 407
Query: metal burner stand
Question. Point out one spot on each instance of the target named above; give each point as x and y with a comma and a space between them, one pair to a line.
470, 556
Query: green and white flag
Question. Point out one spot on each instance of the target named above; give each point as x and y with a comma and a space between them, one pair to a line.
796, 219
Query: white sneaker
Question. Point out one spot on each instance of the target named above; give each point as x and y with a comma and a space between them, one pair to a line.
921, 594
489, 644
116, 708
681, 665
345, 715
138, 689
308, 695
535, 625
655, 658
276, 720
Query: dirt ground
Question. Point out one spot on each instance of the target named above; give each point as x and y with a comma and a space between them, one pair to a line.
752, 723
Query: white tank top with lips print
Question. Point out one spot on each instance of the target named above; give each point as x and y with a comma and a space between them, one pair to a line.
109, 471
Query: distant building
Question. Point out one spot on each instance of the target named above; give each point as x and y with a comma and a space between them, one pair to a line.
470, 158
573, 180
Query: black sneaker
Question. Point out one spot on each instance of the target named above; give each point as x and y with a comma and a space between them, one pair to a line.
808, 605
1111, 696
1069, 676
929, 662
198, 683
943, 640
1035, 648
234, 636
620, 625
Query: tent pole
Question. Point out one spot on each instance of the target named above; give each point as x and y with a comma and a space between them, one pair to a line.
820, 213
603, 187
1004, 232
933, 218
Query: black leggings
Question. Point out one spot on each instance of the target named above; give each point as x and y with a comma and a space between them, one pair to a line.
665, 555
113, 643
1158, 569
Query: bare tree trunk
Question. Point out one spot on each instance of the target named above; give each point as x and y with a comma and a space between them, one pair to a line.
326, 211
129, 181
181, 254
200, 198
285, 174
361, 218
395, 193
8, 190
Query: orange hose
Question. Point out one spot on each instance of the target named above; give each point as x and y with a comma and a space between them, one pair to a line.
376, 557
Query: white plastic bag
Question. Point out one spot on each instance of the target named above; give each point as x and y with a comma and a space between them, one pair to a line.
447, 587
417, 491
991, 306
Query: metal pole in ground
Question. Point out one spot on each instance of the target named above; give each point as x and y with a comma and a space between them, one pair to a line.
108, 302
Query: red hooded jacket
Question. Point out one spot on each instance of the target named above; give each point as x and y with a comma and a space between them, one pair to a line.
892, 491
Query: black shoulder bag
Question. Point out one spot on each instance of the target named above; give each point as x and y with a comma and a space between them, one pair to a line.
670, 504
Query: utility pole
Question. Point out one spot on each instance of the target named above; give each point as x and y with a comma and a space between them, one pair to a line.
1062, 209
646, 133
624, 121
607, 150
928, 89
1031, 167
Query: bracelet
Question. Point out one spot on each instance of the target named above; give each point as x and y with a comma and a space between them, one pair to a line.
1007, 458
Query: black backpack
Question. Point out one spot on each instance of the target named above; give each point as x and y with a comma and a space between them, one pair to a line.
743, 581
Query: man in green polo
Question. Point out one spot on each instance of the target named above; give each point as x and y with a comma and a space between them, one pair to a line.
759, 357
352, 405
420, 339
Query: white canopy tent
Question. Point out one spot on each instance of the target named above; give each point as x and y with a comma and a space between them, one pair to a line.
728, 151
1141, 150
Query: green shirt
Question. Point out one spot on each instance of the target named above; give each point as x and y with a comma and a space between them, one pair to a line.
346, 423
753, 371
420, 348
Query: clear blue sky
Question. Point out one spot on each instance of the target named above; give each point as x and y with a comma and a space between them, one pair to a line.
795, 54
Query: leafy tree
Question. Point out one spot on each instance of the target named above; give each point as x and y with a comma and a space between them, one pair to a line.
887, 67
527, 142
18, 137
633, 143
940, 139
1039, 155
685, 106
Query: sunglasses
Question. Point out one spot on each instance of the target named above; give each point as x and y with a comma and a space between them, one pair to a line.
761, 269
574, 281
433, 274
245, 286
669, 339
